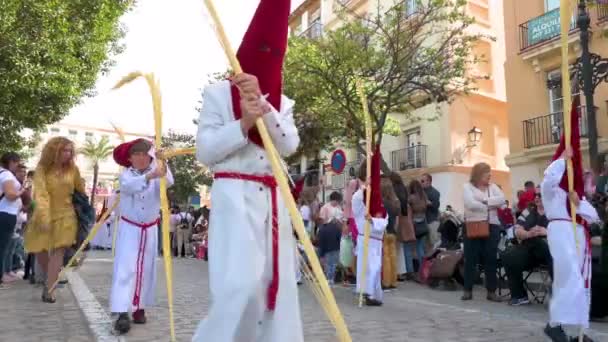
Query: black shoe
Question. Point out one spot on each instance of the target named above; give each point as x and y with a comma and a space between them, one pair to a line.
556, 334
139, 317
123, 324
372, 302
585, 339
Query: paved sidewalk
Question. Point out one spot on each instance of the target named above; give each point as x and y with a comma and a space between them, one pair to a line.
25, 318
412, 313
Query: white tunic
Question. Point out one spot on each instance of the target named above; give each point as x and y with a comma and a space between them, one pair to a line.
240, 255
570, 300
373, 271
139, 202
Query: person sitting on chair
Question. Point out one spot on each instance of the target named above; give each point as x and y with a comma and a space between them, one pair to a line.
532, 250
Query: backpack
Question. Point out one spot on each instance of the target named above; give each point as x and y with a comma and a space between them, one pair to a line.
183, 222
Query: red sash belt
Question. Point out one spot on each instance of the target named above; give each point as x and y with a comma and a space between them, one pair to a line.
586, 268
140, 256
271, 183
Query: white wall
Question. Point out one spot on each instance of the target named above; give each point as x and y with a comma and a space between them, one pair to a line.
450, 186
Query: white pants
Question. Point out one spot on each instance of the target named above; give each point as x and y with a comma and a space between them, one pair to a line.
124, 278
240, 269
401, 269
183, 238
373, 272
570, 300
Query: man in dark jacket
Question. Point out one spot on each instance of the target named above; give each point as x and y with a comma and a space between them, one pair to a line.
432, 211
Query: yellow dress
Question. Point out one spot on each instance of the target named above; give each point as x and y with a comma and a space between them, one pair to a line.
53, 198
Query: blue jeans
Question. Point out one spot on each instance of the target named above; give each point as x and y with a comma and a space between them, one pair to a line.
330, 262
408, 252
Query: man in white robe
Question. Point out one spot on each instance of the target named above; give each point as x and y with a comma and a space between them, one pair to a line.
134, 276
251, 244
569, 246
378, 220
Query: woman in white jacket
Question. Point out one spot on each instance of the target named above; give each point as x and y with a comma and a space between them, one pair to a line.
481, 199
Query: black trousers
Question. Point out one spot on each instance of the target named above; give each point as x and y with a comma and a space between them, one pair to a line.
524, 257
485, 249
7, 229
29, 266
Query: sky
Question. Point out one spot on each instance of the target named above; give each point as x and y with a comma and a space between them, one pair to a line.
175, 40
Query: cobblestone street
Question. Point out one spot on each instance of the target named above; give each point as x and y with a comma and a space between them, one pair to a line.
411, 313
25, 318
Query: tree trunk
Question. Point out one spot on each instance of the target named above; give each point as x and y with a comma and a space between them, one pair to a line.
94, 188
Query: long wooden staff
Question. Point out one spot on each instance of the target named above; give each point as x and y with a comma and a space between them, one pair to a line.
156, 103
334, 312
368, 193
565, 20
84, 244
123, 139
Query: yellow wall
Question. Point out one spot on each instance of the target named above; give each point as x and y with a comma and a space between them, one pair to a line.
527, 94
444, 127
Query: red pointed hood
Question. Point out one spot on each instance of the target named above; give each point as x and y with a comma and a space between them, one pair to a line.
376, 203
297, 188
262, 52
575, 142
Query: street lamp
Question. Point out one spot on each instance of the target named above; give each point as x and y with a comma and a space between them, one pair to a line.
474, 137
583, 21
473, 140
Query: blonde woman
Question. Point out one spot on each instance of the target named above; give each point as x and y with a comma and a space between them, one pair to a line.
482, 198
54, 226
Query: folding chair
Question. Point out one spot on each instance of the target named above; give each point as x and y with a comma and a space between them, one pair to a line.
539, 292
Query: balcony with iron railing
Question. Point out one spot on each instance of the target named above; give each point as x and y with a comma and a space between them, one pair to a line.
547, 129
413, 157
542, 29
314, 30
602, 13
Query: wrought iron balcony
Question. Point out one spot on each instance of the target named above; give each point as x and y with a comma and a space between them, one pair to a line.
547, 129
541, 29
602, 12
314, 31
413, 157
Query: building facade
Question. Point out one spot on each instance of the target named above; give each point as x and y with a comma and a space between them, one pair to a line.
108, 169
438, 142
533, 77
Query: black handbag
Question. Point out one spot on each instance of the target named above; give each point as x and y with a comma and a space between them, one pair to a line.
421, 228
85, 216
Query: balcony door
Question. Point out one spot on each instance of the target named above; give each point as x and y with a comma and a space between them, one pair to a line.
551, 5
413, 155
556, 107
410, 7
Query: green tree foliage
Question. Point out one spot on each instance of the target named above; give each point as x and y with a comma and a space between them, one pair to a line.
405, 60
96, 152
51, 53
189, 175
